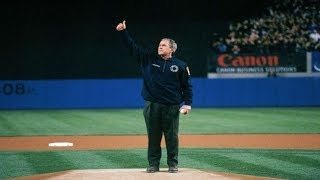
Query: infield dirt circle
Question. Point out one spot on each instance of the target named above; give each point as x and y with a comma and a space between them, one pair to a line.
269, 141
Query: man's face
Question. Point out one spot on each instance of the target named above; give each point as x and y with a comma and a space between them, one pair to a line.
164, 48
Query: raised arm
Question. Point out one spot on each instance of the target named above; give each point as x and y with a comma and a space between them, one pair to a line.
121, 26
136, 50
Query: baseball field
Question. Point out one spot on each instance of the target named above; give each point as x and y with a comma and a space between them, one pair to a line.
279, 143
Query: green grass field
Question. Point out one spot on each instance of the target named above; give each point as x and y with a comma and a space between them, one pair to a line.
289, 164
130, 121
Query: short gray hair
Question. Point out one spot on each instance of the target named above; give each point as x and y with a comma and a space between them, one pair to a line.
172, 43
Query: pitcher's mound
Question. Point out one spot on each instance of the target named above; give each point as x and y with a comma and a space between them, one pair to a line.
138, 174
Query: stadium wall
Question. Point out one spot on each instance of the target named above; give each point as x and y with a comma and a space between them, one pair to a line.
125, 93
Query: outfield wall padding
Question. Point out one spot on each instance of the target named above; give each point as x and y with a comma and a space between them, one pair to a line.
125, 93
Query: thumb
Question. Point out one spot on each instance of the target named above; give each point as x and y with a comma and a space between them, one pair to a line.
124, 22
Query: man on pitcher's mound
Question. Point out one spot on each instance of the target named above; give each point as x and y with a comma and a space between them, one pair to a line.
166, 85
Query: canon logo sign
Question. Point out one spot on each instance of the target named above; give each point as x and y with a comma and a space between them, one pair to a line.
226, 60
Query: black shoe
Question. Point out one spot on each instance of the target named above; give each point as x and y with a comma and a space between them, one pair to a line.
152, 169
173, 169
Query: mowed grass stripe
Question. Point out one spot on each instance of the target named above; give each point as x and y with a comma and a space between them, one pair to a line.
87, 159
201, 159
312, 156
55, 161
102, 121
295, 159
130, 121
45, 162
36, 122
242, 161
291, 170
76, 122
223, 159
71, 122
261, 113
251, 168
124, 158
303, 111
14, 164
6, 126
224, 162
12, 123
274, 114
53, 125
270, 120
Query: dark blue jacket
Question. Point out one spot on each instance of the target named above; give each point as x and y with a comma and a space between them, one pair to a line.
164, 81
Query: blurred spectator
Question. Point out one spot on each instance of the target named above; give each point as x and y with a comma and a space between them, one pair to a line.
254, 35
235, 50
219, 46
315, 36
313, 26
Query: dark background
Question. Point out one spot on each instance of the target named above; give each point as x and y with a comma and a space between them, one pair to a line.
77, 40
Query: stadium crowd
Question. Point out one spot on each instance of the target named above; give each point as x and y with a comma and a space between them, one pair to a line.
286, 26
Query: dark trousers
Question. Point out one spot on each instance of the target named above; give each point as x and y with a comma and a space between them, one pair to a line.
162, 119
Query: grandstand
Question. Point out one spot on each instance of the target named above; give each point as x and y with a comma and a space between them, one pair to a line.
285, 26
287, 30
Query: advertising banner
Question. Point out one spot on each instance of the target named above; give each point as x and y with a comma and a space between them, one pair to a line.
252, 63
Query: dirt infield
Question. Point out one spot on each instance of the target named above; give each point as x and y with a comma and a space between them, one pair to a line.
270, 141
140, 174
